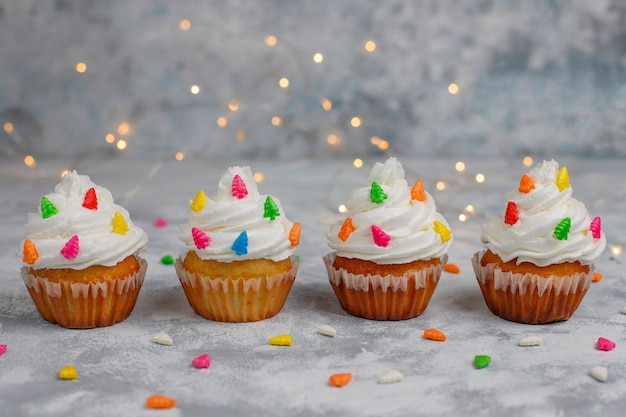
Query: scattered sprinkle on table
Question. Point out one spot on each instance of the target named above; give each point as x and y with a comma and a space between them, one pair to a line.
202, 361
531, 340
601, 373
68, 373
596, 277
451, 268
327, 330
160, 222
167, 260
605, 344
339, 380
162, 338
3, 349
481, 361
160, 402
281, 340
434, 334
390, 377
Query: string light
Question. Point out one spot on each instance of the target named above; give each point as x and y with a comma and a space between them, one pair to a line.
283, 82
383, 145
271, 40
528, 161
179, 156
480, 178
358, 163
109, 138
258, 177
123, 128
121, 144
8, 127
233, 105
240, 135
460, 166
81, 67
342, 208
277, 121
616, 250
64, 172
29, 161
462, 217
184, 24
221, 122
370, 46
318, 58
333, 140
453, 88
356, 121
440, 185
326, 104
469, 208
194, 89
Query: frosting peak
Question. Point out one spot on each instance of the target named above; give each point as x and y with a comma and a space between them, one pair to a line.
389, 223
543, 224
238, 222
79, 225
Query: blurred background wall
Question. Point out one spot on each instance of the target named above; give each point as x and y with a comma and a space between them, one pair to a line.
305, 78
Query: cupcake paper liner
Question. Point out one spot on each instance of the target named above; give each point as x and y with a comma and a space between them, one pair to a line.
530, 298
82, 305
236, 299
386, 297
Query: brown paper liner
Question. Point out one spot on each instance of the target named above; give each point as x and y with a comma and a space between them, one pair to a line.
79, 305
387, 297
236, 300
530, 298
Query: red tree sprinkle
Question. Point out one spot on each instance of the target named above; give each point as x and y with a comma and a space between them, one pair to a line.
511, 217
91, 201
380, 237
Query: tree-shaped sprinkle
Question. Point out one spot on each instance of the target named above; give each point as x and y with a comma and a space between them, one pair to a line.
511, 217
562, 178
199, 201
119, 224
238, 188
240, 245
377, 194
526, 184
562, 229
294, 234
596, 228
70, 250
381, 238
200, 238
346, 229
270, 209
30, 254
417, 192
90, 201
443, 231
48, 209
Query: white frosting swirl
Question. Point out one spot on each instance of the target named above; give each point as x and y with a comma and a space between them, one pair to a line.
98, 244
531, 238
225, 217
408, 222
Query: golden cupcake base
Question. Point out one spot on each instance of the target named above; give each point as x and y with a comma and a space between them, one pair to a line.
83, 299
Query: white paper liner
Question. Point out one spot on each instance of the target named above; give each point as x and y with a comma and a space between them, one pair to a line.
520, 283
360, 282
220, 284
81, 289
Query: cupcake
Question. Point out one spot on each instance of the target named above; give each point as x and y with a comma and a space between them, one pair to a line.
239, 264
537, 265
80, 261
390, 250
